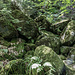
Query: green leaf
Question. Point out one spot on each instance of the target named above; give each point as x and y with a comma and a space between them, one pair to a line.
15, 21
19, 28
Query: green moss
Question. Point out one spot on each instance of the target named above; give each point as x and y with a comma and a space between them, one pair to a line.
67, 36
50, 40
48, 55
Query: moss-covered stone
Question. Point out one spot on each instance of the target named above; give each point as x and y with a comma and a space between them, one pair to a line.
59, 26
7, 30
68, 35
74, 45
48, 55
70, 69
62, 57
26, 26
29, 46
49, 39
66, 51
43, 23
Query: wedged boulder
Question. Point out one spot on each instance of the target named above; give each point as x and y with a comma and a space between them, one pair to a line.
49, 39
74, 45
59, 26
62, 57
66, 51
70, 68
26, 26
68, 35
43, 23
13, 67
48, 55
29, 46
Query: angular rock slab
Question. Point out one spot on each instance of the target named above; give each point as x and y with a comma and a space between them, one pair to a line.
48, 55
68, 35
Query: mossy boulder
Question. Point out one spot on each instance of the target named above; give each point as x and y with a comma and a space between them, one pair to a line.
43, 23
70, 69
14, 67
26, 26
59, 26
67, 51
74, 45
68, 35
29, 46
7, 30
62, 57
48, 55
49, 39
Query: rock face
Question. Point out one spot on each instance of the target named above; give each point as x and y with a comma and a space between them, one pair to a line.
26, 25
50, 40
68, 34
48, 55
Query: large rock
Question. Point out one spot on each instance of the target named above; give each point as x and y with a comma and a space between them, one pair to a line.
66, 51
48, 55
68, 35
59, 26
43, 23
7, 30
70, 69
50, 40
29, 46
26, 25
